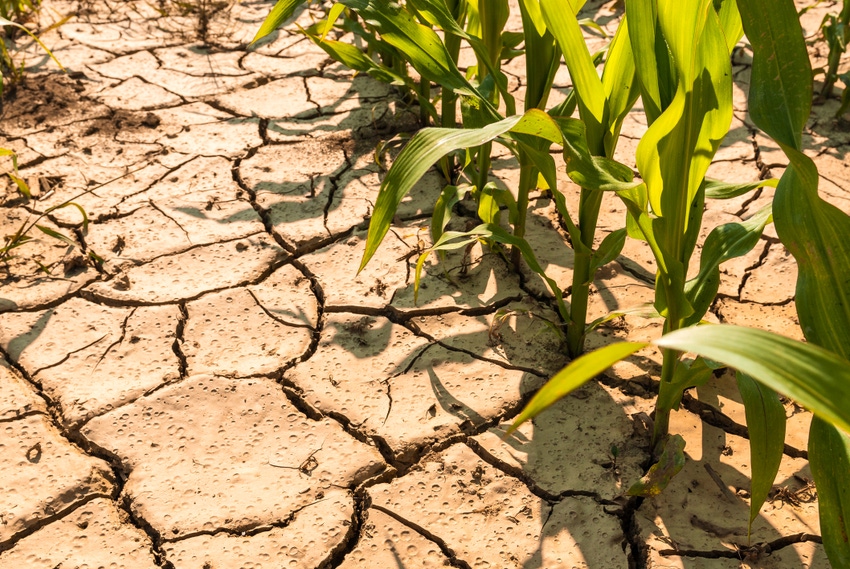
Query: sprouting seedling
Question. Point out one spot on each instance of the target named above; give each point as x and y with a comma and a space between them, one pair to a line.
23, 234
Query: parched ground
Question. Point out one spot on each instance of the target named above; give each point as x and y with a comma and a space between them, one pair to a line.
225, 391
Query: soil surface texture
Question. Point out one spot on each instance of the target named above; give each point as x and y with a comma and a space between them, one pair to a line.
223, 389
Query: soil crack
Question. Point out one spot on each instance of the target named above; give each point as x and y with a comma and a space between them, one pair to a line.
439, 542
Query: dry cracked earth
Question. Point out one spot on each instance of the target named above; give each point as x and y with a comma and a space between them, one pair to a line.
225, 391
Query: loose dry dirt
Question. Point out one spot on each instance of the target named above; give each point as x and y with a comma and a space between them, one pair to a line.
225, 391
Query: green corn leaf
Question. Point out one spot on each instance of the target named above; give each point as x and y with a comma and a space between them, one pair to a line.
511, 41
442, 211
695, 213
655, 72
281, 12
542, 58
545, 164
810, 375
730, 22
21, 184
437, 13
829, 459
670, 463
535, 16
608, 250
350, 56
56, 235
449, 241
815, 233
589, 171
563, 25
766, 424
580, 370
717, 190
639, 225
690, 130
493, 15
590, 24
426, 148
328, 24
725, 242
620, 85
685, 376
488, 206
420, 44
780, 97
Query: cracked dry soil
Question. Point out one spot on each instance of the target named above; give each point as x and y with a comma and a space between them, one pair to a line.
225, 391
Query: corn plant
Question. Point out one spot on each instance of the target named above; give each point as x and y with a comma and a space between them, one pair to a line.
483, 90
815, 374
834, 29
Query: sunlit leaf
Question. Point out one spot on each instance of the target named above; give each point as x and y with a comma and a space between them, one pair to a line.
810, 375
426, 148
580, 371
281, 12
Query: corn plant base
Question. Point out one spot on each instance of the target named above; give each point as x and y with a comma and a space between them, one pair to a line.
276, 411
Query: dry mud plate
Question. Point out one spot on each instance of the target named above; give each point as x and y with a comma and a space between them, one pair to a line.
225, 391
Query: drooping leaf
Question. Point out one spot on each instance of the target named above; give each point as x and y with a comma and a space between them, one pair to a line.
829, 459
589, 171
608, 250
766, 424
353, 58
56, 235
669, 464
810, 375
718, 190
580, 370
815, 233
644, 311
420, 44
437, 12
426, 148
725, 242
